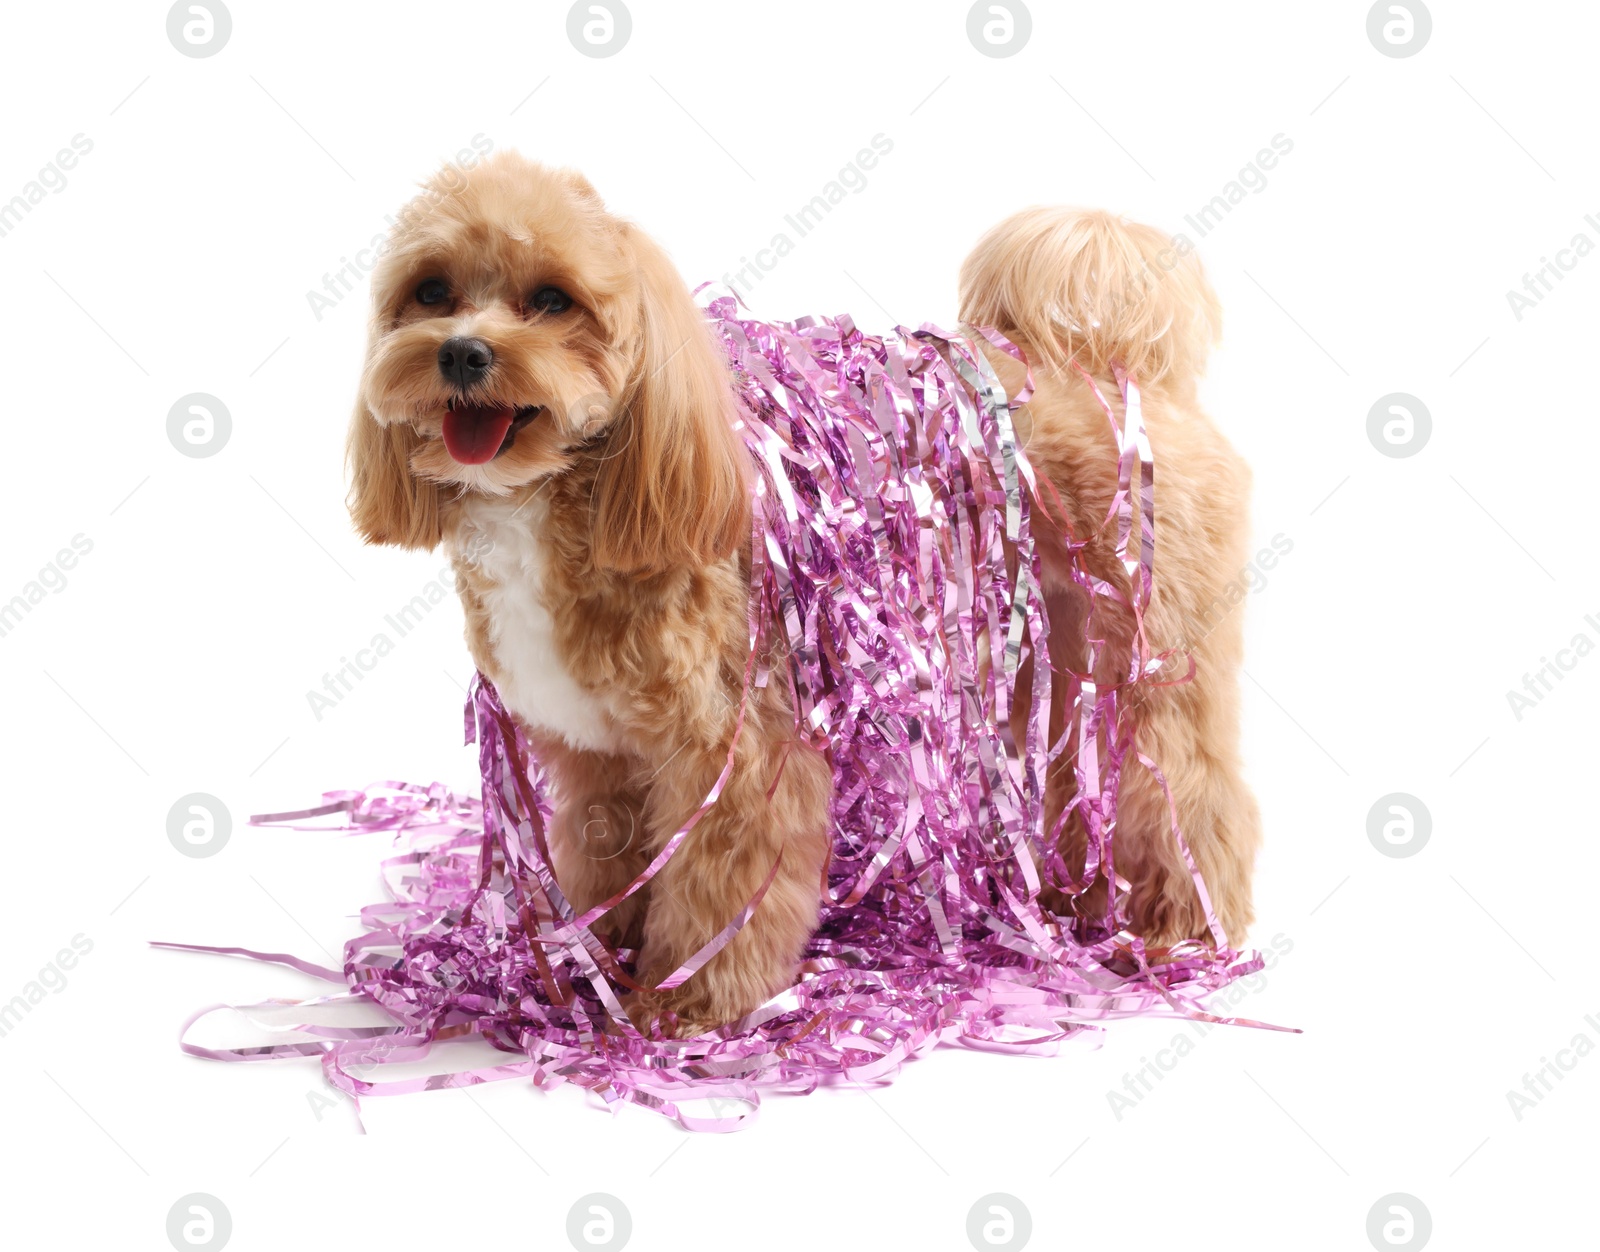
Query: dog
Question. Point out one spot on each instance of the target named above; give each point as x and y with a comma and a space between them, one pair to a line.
542, 396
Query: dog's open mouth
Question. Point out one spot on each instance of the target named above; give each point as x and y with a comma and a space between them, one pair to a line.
475, 433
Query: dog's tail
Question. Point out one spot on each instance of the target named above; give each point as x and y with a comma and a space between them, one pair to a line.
1088, 287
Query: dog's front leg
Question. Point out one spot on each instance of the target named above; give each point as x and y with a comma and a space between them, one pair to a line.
720, 866
597, 836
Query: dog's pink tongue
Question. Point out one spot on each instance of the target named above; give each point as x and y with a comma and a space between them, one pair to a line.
473, 433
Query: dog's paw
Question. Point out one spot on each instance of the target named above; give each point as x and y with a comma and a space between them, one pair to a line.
669, 1017
1175, 923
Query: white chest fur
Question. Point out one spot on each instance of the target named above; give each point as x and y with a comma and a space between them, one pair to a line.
503, 540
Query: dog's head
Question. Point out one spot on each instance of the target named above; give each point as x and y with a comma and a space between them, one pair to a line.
519, 331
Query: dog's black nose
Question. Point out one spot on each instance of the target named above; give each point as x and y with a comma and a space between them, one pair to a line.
465, 361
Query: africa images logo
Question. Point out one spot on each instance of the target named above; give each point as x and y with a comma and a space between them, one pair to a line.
52, 979
52, 178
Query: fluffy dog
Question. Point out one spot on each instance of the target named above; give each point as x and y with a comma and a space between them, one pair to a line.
542, 395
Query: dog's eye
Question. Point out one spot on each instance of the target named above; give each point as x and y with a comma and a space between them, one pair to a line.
550, 300
432, 291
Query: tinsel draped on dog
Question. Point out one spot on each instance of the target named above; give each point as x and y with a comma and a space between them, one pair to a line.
839, 693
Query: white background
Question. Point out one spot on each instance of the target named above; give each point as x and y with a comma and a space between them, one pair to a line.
1419, 591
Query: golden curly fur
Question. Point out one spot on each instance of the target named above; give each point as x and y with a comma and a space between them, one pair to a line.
602, 551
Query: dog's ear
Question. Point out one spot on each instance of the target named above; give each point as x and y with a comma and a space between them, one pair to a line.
388, 503
672, 487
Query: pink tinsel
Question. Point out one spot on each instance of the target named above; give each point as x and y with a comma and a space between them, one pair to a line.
890, 483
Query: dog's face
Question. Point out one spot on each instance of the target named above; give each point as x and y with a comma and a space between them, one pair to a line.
517, 327
503, 324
